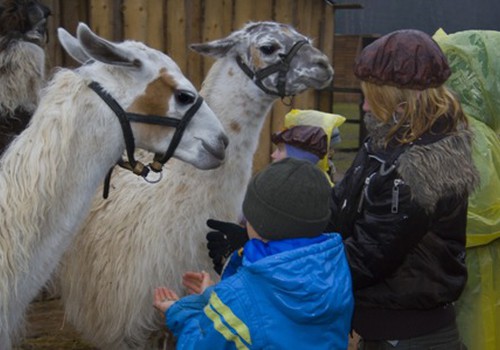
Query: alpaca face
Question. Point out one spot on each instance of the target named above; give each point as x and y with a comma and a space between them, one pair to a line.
263, 44
24, 19
146, 81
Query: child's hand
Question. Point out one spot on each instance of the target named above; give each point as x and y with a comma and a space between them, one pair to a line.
164, 298
196, 282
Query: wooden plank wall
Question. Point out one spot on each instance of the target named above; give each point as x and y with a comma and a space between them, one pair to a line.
171, 25
347, 47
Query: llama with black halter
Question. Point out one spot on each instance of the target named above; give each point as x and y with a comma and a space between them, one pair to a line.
50, 172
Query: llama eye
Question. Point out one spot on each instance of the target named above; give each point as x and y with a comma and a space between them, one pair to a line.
267, 49
184, 97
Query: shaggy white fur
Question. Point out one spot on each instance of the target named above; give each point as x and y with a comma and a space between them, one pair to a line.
51, 171
23, 76
23, 38
148, 235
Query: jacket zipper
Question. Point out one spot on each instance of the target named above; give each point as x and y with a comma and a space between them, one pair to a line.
364, 192
395, 196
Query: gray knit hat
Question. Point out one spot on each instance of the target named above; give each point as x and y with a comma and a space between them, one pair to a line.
288, 199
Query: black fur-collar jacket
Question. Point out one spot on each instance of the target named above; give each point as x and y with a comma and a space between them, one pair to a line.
402, 212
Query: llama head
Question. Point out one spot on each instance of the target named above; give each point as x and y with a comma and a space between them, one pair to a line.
149, 83
24, 20
275, 56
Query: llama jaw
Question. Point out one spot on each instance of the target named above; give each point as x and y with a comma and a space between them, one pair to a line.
211, 158
320, 83
218, 153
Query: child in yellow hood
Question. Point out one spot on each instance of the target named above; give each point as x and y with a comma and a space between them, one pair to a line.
308, 135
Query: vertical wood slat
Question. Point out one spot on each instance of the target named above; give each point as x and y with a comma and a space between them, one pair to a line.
326, 44
194, 25
117, 20
284, 11
244, 11
135, 17
263, 10
212, 28
155, 26
53, 51
101, 18
227, 17
72, 12
176, 46
315, 33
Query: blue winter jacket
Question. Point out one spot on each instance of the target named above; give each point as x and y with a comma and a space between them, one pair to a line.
287, 294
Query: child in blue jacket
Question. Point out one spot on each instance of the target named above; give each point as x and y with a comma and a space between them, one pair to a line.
290, 285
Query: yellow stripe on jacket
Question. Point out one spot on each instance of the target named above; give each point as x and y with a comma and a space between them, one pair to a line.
218, 312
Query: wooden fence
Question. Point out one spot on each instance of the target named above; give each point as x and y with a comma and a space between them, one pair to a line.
171, 25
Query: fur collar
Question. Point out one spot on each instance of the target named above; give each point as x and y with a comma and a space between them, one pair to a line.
433, 170
440, 169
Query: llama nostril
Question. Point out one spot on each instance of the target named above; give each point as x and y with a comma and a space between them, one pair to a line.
224, 140
326, 67
323, 65
218, 151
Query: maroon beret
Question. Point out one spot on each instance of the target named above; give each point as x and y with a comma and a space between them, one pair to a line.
408, 59
309, 138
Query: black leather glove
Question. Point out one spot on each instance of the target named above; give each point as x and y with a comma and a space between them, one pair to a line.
226, 238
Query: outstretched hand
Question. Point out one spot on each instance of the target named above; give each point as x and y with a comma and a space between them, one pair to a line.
164, 298
227, 238
196, 282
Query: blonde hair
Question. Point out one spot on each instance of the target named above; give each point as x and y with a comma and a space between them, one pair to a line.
420, 109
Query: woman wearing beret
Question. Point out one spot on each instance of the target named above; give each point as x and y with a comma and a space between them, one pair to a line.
401, 207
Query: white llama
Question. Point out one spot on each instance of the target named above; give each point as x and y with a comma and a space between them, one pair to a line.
50, 172
23, 35
146, 236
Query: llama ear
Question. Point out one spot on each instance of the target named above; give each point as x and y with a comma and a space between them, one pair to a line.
72, 46
103, 50
216, 48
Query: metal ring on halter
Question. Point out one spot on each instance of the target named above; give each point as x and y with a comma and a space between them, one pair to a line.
156, 180
287, 100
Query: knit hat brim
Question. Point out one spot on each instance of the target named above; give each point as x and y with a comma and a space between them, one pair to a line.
273, 224
289, 199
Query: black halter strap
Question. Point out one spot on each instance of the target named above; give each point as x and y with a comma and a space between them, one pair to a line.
124, 123
179, 131
125, 118
282, 67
